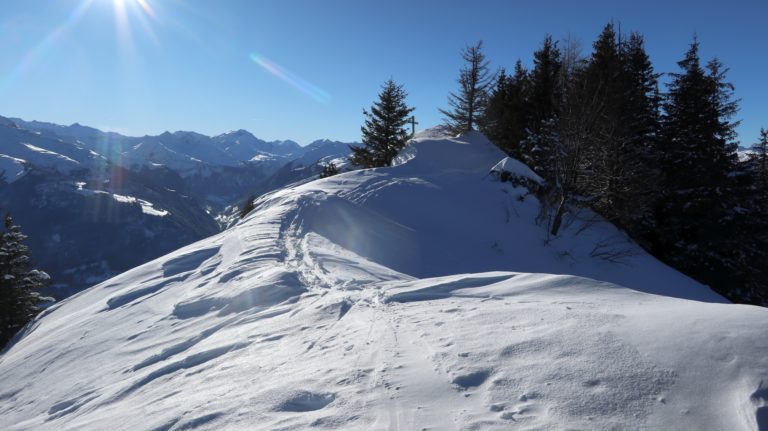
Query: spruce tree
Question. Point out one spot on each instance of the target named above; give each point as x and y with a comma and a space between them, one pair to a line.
329, 170
247, 206
758, 158
598, 94
384, 132
19, 283
641, 121
621, 161
505, 119
698, 159
467, 107
543, 109
750, 266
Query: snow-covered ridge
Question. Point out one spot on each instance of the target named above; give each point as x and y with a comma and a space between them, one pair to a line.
146, 206
421, 296
190, 184
189, 153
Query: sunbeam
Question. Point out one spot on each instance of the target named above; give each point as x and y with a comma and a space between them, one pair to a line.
124, 11
146, 7
47, 42
294, 80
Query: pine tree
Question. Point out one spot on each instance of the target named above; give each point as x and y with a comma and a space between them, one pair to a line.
475, 81
543, 109
247, 206
505, 118
698, 160
384, 132
598, 94
620, 82
750, 199
19, 283
641, 121
758, 158
329, 170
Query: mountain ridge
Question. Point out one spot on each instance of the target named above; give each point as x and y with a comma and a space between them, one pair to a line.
359, 302
196, 182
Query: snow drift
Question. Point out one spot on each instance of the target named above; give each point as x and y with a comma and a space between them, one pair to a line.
421, 296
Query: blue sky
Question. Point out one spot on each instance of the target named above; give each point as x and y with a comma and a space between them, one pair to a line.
305, 69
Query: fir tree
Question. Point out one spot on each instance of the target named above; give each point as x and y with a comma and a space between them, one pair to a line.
750, 199
247, 206
641, 122
475, 81
543, 109
384, 132
758, 158
329, 170
622, 157
698, 160
505, 118
544, 81
19, 283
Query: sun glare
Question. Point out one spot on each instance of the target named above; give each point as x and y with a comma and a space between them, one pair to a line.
142, 4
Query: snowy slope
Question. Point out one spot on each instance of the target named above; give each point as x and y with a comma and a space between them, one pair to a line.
20, 146
182, 151
421, 296
242, 145
194, 179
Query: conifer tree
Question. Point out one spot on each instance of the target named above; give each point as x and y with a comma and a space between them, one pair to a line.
19, 283
506, 115
698, 159
758, 158
384, 132
641, 121
329, 170
543, 109
247, 206
467, 106
750, 266
621, 148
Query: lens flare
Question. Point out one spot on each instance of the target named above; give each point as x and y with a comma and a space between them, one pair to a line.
123, 10
147, 8
294, 80
47, 42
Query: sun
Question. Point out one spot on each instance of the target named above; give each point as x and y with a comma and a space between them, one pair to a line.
143, 4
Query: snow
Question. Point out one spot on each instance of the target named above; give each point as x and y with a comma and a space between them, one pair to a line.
421, 296
11, 168
49, 153
19, 146
513, 167
146, 206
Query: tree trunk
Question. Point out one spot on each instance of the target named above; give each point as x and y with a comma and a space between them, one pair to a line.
558, 220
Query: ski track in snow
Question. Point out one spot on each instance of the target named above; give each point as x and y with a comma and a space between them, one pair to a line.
311, 314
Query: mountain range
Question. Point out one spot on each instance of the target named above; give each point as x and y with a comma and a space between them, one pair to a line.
97, 203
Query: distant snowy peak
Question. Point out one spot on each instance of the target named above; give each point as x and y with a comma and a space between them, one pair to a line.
19, 147
323, 149
243, 145
186, 152
7, 122
73, 132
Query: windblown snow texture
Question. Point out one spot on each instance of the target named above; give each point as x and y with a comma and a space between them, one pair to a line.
421, 296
